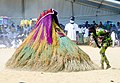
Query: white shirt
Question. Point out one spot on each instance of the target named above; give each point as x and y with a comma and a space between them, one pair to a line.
113, 36
71, 30
80, 30
86, 33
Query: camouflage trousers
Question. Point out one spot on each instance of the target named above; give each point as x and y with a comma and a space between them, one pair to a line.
102, 53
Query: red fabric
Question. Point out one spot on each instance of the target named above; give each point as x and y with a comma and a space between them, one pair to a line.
60, 34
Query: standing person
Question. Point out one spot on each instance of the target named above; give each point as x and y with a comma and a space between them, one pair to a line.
80, 34
108, 26
101, 25
94, 23
86, 36
87, 24
113, 36
105, 37
71, 29
118, 31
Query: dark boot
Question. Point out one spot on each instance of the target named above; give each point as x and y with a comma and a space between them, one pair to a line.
102, 66
108, 66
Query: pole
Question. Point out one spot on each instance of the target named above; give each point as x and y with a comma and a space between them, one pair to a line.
72, 2
23, 8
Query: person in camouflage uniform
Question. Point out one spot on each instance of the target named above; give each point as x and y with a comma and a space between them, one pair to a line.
104, 36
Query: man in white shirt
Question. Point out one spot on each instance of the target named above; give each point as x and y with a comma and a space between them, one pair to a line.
71, 29
86, 37
113, 38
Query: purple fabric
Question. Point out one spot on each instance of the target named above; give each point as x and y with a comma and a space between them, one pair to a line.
47, 23
42, 34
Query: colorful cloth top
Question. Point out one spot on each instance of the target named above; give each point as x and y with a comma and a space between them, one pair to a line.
101, 32
104, 36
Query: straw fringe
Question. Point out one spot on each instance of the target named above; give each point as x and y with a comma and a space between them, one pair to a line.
61, 55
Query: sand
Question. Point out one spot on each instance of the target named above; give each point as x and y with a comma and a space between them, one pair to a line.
111, 75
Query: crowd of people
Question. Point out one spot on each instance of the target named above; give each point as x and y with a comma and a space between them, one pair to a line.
12, 36
82, 36
97, 35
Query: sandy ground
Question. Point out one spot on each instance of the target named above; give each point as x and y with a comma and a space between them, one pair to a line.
111, 75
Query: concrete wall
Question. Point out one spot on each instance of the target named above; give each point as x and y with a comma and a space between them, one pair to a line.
33, 8
89, 13
81, 12
11, 8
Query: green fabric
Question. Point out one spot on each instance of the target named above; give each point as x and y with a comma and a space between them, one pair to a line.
108, 27
28, 51
81, 38
65, 43
102, 53
106, 39
104, 59
100, 32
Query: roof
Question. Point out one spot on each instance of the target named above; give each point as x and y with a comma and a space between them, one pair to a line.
108, 5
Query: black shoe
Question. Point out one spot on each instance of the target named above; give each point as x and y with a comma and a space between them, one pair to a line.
102, 66
108, 66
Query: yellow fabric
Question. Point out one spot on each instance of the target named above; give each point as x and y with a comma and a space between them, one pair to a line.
22, 23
